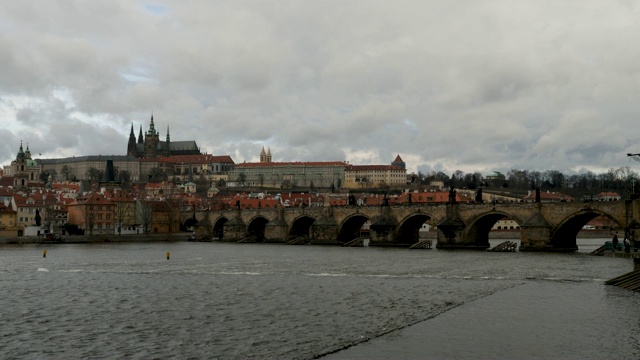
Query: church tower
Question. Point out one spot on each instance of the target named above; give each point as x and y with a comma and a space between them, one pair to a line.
20, 173
265, 157
167, 151
151, 140
398, 162
131, 146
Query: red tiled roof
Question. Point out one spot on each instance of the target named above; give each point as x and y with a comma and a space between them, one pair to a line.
6, 181
197, 159
92, 199
372, 167
66, 186
293, 163
608, 193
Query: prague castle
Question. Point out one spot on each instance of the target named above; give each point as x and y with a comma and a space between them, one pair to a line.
150, 146
145, 155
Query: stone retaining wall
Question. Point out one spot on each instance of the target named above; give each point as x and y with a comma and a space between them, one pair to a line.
99, 238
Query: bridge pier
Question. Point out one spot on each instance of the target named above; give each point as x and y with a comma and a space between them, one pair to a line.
234, 230
451, 232
324, 232
535, 239
383, 232
535, 234
275, 231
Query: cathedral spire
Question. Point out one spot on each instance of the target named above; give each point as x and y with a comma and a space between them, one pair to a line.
131, 146
152, 126
20, 155
168, 137
140, 138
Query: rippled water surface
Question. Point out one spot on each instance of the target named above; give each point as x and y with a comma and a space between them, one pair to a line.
244, 301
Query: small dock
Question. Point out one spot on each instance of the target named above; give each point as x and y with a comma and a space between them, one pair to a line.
609, 251
424, 244
300, 240
629, 281
506, 246
357, 242
248, 239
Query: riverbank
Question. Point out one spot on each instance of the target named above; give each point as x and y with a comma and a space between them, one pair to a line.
75, 239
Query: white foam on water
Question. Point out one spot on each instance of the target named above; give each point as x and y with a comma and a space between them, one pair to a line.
43, 270
327, 274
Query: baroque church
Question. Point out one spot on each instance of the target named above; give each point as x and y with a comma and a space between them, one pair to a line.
23, 169
150, 146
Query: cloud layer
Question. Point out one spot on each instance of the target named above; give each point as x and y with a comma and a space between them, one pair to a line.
448, 85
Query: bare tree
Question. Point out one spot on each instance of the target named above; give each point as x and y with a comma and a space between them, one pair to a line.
144, 212
89, 214
94, 175
261, 180
157, 175
173, 213
123, 211
44, 176
125, 179
242, 177
66, 172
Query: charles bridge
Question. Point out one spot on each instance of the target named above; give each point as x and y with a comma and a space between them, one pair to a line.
544, 226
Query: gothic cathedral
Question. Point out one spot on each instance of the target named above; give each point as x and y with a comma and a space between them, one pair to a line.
150, 146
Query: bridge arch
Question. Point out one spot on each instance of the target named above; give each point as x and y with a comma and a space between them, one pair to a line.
564, 235
409, 230
256, 227
218, 227
351, 227
300, 226
478, 229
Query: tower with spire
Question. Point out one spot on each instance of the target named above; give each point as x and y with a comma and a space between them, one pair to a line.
265, 157
151, 141
131, 146
25, 169
167, 151
140, 137
398, 162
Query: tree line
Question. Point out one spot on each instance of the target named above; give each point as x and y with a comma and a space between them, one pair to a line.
622, 180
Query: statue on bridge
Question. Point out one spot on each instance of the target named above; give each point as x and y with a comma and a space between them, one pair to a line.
479, 196
452, 195
385, 201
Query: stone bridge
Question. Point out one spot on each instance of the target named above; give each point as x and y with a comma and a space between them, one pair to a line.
543, 226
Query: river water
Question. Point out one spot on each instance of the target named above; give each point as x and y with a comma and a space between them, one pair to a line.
271, 301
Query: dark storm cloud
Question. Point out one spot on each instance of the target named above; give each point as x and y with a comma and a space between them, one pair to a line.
491, 85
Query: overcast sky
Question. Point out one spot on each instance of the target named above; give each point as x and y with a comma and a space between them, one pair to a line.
449, 85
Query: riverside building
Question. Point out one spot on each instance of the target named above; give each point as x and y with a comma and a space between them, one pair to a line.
337, 174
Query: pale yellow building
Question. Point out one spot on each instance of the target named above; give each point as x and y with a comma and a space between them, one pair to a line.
367, 176
8, 222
